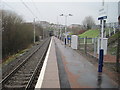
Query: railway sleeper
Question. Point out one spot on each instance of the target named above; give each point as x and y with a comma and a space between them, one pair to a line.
22, 75
21, 78
28, 65
15, 86
12, 83
26, 71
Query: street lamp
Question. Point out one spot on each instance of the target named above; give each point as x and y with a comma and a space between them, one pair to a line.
66, 25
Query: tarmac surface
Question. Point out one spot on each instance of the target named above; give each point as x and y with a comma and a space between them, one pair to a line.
77, 72
64, 83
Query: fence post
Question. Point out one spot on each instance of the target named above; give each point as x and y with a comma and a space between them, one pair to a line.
84, 40
95, 46
105, 34
109, 32
78, 43
114, 30
86, 45
92, 40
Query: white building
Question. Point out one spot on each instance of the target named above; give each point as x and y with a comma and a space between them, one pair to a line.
119, 8
112, 11
44, 24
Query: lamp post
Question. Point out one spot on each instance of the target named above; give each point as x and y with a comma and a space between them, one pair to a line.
66, 25
57, 27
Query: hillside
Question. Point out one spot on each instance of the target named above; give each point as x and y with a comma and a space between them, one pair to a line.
90, 34
113, 38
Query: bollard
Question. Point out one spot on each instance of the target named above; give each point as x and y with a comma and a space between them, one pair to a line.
100, 64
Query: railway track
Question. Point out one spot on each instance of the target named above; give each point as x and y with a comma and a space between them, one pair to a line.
7, 68
23, 76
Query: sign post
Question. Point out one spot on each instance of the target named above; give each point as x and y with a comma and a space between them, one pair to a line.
101, 51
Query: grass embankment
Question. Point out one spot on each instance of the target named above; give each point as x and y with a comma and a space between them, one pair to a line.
113, 38
112, 43
90, 34
13, 57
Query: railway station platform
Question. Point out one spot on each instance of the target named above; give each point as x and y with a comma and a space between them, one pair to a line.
49, 76
65, 68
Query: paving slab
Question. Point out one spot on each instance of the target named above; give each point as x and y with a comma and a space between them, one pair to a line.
49, 76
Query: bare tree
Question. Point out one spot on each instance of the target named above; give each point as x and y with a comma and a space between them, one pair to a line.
88, 22
16, 35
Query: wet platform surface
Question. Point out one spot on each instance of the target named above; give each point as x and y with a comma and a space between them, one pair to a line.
65, 68
80, 73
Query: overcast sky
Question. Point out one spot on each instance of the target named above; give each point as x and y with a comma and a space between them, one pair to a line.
50, 10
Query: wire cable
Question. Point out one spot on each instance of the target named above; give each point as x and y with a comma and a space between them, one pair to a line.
28, 8
13, 9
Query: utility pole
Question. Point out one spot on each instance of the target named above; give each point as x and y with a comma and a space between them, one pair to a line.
60, 32
86, 45
43, 33
66, 25
34, 29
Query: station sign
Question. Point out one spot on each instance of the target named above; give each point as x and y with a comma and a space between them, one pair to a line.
103, 17
102, 13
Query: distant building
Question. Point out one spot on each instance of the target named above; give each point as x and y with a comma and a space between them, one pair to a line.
95, 26
44, 24
74, 26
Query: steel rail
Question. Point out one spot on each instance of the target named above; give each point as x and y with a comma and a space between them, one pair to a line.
20, 65
36, 69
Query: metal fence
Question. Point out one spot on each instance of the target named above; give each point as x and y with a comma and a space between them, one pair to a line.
88, 45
